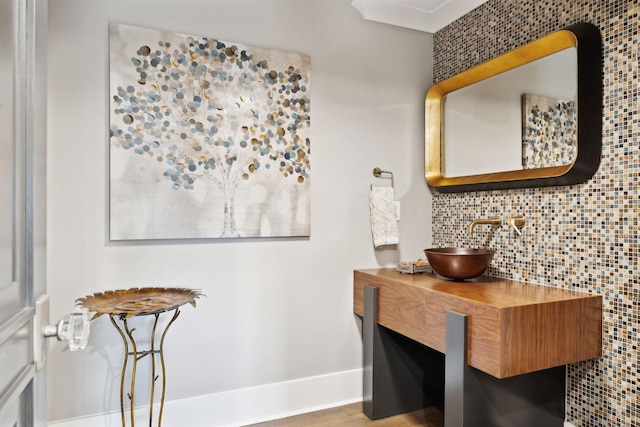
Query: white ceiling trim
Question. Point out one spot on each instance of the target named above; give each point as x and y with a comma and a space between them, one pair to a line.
421, 15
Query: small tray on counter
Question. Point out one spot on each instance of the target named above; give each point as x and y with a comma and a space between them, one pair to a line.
413, 267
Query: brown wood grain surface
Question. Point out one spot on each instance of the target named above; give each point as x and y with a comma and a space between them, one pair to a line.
514, 327
352, 416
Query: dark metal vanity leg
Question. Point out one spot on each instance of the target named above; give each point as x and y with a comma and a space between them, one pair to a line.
400, 375
456, 370
368, 331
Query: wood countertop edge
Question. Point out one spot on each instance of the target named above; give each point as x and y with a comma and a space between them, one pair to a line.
568, 294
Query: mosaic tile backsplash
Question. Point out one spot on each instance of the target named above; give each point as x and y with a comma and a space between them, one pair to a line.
582, 237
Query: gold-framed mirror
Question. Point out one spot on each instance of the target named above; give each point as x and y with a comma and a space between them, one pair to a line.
533, 115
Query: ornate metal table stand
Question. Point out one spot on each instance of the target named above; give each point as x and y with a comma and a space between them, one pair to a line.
121, 305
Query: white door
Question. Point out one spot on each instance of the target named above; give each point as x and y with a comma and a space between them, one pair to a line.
22, 209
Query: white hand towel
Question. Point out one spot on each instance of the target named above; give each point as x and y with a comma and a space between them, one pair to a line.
384, 226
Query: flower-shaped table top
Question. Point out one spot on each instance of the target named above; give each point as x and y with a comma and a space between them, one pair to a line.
138, 301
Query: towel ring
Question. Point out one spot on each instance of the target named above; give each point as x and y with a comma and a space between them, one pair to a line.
377, 172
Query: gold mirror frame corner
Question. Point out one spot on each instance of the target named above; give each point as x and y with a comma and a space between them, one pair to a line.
586, 38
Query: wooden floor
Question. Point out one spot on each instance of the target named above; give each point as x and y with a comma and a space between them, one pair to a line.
352, 416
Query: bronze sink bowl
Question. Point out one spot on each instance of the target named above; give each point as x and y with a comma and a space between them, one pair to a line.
459, 263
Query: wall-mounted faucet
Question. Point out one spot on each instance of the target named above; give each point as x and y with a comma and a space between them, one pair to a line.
495, 222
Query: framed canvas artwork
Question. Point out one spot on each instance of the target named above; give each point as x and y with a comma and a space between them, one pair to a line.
549, 131
208, 138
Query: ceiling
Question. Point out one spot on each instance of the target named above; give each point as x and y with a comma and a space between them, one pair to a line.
421, 15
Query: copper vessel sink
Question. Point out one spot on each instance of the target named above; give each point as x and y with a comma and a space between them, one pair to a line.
459, 263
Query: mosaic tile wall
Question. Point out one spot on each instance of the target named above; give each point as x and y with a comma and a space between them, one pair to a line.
581, 237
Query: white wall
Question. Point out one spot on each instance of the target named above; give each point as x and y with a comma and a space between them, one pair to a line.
276, 309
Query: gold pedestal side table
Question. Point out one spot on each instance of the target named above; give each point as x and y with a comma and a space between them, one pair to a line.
121, 305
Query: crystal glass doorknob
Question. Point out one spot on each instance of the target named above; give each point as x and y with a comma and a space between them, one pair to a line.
73, 328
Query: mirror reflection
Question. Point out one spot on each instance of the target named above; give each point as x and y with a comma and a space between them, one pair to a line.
521, 119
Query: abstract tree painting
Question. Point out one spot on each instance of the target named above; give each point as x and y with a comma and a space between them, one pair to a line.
208, 138
549, 131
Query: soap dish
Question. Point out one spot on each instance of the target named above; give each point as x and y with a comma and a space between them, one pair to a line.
412, 267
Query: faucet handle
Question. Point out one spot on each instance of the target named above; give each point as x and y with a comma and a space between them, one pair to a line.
516, 222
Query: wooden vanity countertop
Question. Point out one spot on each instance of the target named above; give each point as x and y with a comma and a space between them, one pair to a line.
514, 327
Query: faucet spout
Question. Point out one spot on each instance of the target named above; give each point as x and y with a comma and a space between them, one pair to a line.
495, 222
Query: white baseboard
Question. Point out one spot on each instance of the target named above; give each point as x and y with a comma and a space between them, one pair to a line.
245, 406
248, 405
